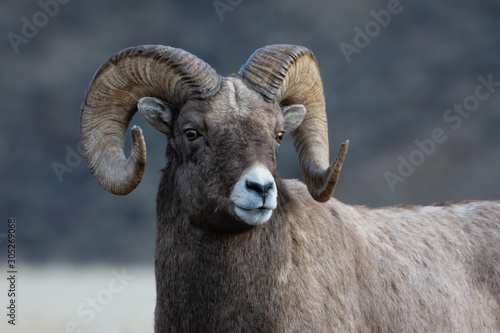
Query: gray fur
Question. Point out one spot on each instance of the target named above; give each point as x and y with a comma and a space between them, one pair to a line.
313, 267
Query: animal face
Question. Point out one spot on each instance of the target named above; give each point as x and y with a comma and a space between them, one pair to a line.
223, 132
223, 152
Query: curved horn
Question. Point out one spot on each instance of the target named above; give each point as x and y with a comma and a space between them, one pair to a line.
290, 74
170, 74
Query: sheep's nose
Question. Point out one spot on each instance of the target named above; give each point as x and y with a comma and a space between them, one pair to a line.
261, 189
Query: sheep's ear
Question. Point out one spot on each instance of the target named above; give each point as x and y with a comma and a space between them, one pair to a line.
158, 114
293, 115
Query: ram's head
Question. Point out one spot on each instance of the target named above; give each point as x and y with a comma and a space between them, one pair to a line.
223, 132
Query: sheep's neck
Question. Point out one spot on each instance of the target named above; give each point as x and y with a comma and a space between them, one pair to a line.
224, 274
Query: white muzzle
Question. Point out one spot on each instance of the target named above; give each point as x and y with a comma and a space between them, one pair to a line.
254, 195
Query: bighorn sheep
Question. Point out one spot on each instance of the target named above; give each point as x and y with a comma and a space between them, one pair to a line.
238, 249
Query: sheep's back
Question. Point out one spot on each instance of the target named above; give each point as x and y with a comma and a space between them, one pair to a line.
402, 268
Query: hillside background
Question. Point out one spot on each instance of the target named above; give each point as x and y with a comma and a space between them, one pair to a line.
389, 93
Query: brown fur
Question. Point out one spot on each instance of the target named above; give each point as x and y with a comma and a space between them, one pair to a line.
313, 267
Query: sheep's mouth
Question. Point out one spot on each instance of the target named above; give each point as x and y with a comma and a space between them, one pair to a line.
252, 209
253, 216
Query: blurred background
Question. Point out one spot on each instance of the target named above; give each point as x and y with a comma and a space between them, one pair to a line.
393, 73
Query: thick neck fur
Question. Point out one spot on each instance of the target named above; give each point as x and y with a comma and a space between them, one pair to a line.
323, 267
217, 281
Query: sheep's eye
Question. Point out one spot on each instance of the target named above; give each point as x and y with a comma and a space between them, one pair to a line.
191, 134
280, 136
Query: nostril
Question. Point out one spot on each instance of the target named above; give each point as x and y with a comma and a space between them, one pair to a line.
261, 189
255, 186
268, 186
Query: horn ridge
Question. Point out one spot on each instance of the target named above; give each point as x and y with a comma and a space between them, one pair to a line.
289, 74
266, 68
164, 72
